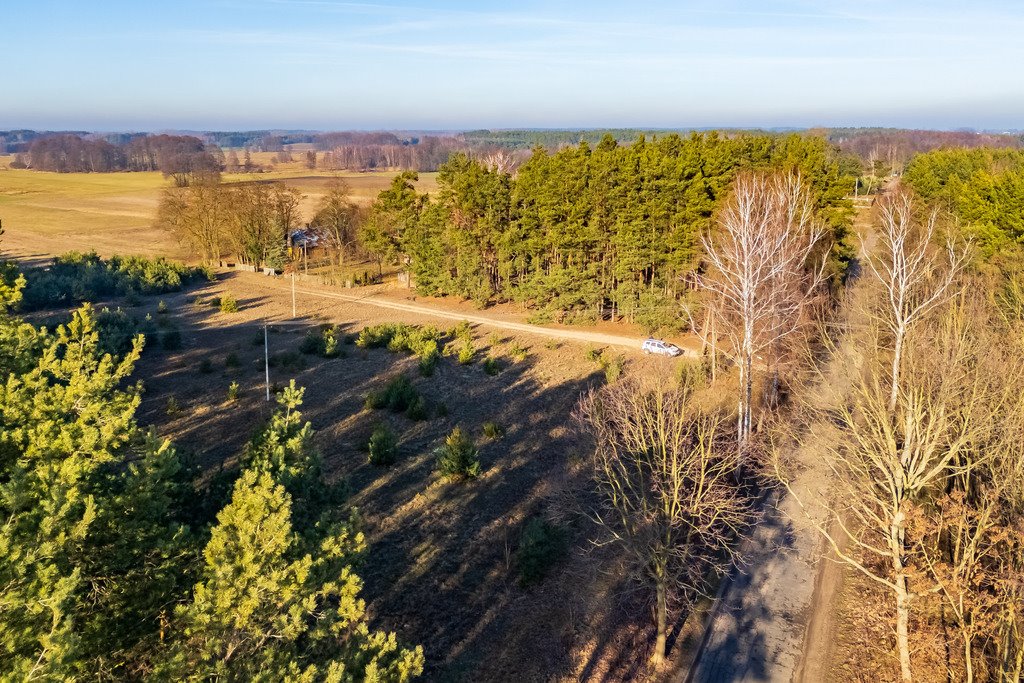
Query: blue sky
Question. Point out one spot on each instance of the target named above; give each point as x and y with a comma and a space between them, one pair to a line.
324, 64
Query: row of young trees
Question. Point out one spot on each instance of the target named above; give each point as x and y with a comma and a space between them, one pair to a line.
111, 571
602, 231
675, 482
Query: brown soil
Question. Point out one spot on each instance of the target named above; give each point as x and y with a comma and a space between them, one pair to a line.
441, 564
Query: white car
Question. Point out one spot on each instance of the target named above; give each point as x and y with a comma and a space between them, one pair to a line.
662, 348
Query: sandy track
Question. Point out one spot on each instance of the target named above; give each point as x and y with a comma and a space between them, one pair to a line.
282, 287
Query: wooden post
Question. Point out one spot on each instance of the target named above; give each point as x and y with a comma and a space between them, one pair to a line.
266, 359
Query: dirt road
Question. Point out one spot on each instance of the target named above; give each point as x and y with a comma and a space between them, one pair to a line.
773, 622
282, 286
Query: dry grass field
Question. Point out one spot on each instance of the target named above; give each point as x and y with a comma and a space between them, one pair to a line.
47, 213
441, 568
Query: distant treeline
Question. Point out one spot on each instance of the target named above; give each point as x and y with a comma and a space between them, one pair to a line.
553, 139
15, 141
889, 149
881, 150
180, 156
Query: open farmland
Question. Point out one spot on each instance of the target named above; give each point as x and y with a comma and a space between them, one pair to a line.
47, 213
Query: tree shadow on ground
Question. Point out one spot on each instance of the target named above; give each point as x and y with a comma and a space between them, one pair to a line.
741, 644
440, 569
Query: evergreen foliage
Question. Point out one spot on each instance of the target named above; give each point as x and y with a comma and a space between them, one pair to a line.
588, 231
265, 609
90, 551
983, 189
101, 539
457, 457
228, 304
399, 396
383, 446
542, 546
77, 277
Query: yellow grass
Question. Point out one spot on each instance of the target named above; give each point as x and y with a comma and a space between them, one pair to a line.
50, 213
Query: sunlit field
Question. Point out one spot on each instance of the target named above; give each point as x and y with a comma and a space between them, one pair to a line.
47, 213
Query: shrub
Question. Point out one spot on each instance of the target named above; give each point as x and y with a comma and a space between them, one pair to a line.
172, 406
228, 304
117, 331
517, 352
441, 410
612, 368
593, 355
76, 277
161, 308
233, 391
258, 339
492, 366
493, 430
429, 358
552, 345
398, 396
541, 547
466, 353
312, 343
420, 341
383, 446
330, 342
205, 366
541, 316
289, 360
147, 327
691, 375
170, 339
418, 409
231, 361
463, 331
458, 457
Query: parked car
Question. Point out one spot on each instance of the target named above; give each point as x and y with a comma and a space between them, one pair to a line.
662, 348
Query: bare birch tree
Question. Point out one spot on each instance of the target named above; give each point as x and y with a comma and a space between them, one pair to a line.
914, 276
759, 278
886, 462
664, 473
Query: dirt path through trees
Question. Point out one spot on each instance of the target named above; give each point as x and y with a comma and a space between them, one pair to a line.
774, 619
282, 287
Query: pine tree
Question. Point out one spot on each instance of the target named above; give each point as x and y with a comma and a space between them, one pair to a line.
82, 586
264, 611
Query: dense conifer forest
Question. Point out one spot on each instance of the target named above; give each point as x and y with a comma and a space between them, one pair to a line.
590, 232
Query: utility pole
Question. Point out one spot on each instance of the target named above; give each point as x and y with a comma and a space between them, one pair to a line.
293, 296
266, 359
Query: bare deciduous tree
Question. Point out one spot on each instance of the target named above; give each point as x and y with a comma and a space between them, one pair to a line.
664, 472
337, 220
199, 216
759, 277
912, 273
887, 461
